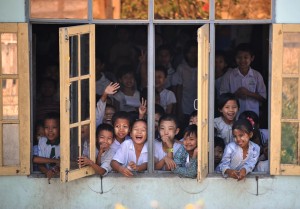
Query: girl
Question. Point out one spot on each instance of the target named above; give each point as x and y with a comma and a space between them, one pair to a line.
133, 153
241, 155
186, 157
104, 155
228, 105
164, 149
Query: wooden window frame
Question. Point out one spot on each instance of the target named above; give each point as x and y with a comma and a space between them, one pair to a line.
21, 29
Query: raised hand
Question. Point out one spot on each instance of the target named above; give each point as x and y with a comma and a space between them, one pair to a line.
112, 88
143, 108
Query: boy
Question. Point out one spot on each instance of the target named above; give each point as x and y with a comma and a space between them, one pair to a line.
167, 97
48, 147
246, 83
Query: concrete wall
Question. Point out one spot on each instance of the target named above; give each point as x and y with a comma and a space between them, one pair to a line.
12, 11
138, 193
287, 11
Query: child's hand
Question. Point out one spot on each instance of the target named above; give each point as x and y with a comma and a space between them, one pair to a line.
242, 92
133, 166
169, 163
242, 174
143, 107
83, 161
143, 58
195, 153
232, 173
166, 139
125, 171
112, 88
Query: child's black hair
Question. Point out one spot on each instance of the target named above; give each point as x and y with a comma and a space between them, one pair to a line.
218, 141
222, 54
250, 114
106, 127
194, 114
224, 98
159, 110
189, 44
160, 68
244, 47
144, 93
121, 115
138, 120
110, 106
125, 69
169, 117
165, 47
191, 129
51, 115
243, 125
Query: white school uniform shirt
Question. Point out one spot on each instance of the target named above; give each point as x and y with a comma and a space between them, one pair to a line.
128, 103
44, 149
253, 81
116, 144
100, 111
223, 130
187, 77
233, 158
106, 158
101, 84
126, 154
169, 80
159, 152
167, 97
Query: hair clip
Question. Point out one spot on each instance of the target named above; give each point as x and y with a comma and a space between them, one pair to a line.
251, 121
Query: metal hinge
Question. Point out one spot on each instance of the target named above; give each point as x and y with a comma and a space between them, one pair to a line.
67, 172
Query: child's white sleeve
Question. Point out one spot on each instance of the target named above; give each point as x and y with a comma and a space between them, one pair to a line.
100, 110
226, 159
254, 151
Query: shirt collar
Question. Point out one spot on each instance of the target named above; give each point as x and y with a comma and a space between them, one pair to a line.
56, 142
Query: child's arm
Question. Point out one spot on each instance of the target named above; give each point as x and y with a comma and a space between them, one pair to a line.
243, 92
84, 161
44, 160
143, 109
225, 162
119, 168
189, 171
169, 108
138, 168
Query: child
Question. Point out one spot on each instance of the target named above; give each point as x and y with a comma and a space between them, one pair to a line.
186, 156
165, 149
133, 154
194, 118
240, 156
167, 97
246, 83
220, 70
159, 112
164, 58
121, 124
110, 110
128, 98
228, 105
219, 147
185, 80
101, 110
104, 154
48, 147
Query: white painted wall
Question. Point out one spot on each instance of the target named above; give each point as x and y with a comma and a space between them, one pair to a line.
137, 193
287, 11
12, 11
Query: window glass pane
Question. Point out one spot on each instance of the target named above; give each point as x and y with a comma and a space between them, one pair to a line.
67, 9
290, 98
10, 98
291, 53
85, 141
74, 102
181, 9
85, 54
85, 100
9, 53
74, 148
243, 9
73, 56
11, 145
124, 9
289, 143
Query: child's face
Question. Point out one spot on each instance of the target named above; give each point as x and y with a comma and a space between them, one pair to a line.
160, 79
139, 132
220, 65
51, 127
105, 139
168, 129
109, 112
85, 132
164, 57
229, 111
193, 120
242, 138
190, 141
218, 154
191, 56
127, 80
40, 131
121, 128
243, 59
